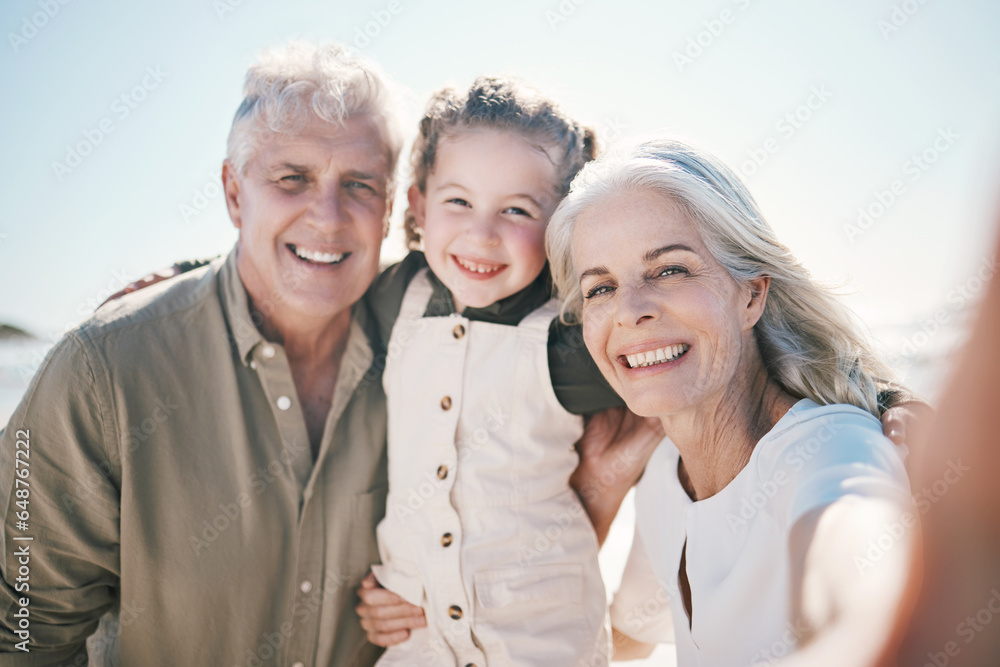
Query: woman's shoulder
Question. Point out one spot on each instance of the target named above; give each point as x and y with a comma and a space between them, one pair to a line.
817, 454
823, 428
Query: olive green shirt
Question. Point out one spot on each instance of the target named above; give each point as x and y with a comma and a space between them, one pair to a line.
172, 496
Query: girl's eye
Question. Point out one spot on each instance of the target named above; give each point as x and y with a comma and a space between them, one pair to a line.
457, 200
517, 210
598, 290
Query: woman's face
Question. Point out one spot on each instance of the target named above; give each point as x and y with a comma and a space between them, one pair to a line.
662, 318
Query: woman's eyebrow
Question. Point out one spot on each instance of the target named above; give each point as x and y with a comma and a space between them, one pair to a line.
653, 254
595, 271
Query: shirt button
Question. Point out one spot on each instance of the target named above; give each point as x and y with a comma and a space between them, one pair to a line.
455, 612
253, 364
458, 331
446, 403
442, 471
446, 540
284, 402
268, 351
306, 586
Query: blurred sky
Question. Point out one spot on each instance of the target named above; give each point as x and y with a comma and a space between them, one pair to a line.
869, 85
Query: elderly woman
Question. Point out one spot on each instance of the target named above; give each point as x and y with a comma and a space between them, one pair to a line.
770, 521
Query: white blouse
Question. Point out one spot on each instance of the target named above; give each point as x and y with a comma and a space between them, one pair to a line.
737, 540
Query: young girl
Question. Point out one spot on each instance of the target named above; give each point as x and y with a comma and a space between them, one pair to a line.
482, 528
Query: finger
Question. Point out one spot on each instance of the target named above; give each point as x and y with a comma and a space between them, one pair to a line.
389, 639
374, 625
380, 597
382, 611
892, 428
369, 581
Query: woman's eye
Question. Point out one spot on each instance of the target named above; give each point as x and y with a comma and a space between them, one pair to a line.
598, 290
670, 271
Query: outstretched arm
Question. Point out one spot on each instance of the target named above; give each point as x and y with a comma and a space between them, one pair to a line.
849, 566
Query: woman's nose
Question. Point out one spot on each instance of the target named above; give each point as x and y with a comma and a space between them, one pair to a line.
635, 306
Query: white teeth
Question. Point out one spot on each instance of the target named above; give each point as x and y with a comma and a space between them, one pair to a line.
658, 356
478, 268
320, 257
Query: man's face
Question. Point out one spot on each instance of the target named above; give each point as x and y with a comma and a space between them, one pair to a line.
311, 210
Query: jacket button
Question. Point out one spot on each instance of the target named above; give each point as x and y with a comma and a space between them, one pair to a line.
458, 331
446, 403
455, 612
442, 471
446, 540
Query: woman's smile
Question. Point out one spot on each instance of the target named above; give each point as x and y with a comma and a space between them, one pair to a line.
660, 356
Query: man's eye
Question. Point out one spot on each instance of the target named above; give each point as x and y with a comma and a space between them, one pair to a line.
599, 290
360, 185
293, 178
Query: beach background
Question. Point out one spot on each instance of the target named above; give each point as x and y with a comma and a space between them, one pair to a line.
867, 129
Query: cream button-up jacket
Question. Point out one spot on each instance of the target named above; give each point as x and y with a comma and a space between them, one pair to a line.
482, 528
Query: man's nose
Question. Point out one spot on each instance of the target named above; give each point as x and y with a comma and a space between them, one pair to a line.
329, 211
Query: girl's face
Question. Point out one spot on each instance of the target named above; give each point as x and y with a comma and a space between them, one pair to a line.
483, 216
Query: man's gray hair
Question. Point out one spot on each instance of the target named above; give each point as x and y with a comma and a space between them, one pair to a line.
292, 85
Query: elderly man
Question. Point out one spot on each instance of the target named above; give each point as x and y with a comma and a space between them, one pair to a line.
195, 474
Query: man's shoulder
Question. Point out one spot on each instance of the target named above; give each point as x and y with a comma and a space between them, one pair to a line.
160, 310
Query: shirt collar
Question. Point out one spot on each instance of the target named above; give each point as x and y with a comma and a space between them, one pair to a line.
236, 306
246, 336
509, 310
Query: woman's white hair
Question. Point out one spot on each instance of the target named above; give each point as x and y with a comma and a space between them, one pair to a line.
810, 342
292, 85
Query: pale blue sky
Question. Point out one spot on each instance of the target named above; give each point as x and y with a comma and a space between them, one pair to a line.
878, 98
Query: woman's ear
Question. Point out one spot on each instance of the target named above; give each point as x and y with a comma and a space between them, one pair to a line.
418, 205
758, 288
